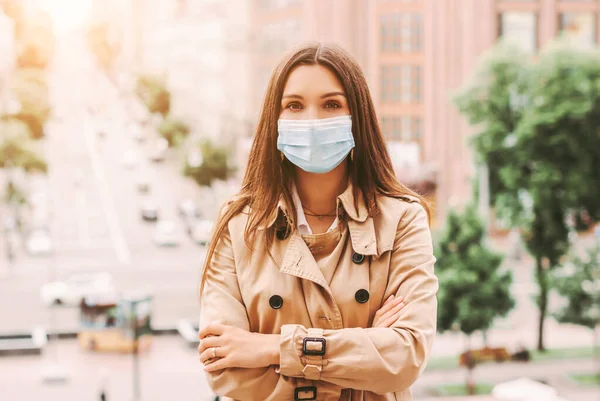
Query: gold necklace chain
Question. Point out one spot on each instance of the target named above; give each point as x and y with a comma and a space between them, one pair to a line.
318, 216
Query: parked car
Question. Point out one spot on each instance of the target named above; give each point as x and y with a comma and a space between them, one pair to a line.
149, 211
159, 150
201, 232
137, 132
187, 209
167, 234
143, 185
130, 159
39, 243
73, 290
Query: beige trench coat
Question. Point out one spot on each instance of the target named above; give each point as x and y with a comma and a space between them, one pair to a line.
390, 253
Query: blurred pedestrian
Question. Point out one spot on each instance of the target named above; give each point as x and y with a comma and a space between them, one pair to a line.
103, 385
318, 282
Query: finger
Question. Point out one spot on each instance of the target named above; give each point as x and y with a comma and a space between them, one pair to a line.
209, 342
389, 322
389, 306
390, 299
216, 329
207, 355
219, 364
392, 312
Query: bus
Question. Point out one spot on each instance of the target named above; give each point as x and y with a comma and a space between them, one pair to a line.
115, 323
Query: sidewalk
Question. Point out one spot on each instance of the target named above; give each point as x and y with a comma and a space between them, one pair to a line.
170, 371
554, 373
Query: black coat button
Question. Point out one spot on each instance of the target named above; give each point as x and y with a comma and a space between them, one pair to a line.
361, 296
358, 258
276, 301
282, 233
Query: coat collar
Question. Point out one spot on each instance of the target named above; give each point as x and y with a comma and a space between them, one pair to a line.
360, 224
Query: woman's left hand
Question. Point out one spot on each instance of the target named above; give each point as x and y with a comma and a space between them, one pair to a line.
224, 347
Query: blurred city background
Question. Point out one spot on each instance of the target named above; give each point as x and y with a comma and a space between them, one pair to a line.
124, 125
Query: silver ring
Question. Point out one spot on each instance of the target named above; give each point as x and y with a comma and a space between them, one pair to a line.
214, 352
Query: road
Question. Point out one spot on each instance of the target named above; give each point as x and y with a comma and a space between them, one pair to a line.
96, 225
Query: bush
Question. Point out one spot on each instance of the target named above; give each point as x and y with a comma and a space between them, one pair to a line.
31, 90
213, 166
173, 130
35, 45
154, 94
98, 37
16, 148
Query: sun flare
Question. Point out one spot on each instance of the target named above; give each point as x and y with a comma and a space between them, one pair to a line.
68, 14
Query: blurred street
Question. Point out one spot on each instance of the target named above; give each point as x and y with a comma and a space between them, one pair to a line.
96, 224
124, 125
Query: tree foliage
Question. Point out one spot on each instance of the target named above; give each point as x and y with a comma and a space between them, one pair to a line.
16, 148
173, 130
30, 89
154, 94
103, 44
578, 282
35, 41
537, 129
213, 165
473, 290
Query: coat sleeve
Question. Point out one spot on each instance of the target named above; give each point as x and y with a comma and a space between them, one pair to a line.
221, 302
381, 360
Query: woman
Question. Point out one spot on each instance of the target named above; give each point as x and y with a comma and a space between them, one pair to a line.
303, 287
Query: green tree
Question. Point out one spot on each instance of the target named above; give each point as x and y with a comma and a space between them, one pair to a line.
473, 289
537, 132
154, 94
206, 163
30, 89
578, 282
16, 148
36, 41
173, 130
102, 44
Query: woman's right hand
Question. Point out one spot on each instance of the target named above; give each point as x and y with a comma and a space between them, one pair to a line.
387, 315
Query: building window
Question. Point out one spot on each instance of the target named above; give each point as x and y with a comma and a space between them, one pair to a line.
402, 129
579, 28
277, 37
401, 32
269, 5
401, 83
519, 28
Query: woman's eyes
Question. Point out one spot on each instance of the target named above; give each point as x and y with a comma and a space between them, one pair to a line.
295, 106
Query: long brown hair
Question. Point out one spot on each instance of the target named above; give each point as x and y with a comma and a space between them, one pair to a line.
267, 177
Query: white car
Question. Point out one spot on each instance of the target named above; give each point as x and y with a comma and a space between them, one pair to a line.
167, 234
130, 159
159, 150
202, 232
75, 288
39, 243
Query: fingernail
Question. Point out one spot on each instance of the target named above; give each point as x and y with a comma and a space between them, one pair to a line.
391, 297
401, 304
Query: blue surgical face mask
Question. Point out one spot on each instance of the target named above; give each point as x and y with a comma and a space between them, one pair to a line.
316, 146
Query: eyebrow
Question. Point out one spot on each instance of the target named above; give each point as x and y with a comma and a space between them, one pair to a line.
326, 95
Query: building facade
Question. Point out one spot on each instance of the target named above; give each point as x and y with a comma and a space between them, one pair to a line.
416, 54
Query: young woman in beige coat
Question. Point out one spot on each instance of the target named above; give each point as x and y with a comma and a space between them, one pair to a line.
318, 283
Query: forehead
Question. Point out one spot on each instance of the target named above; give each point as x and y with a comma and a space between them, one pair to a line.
312, 79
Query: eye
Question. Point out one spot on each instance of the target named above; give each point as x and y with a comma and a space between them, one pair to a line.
332, 105
294, 106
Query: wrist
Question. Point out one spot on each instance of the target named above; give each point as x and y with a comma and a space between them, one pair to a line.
272, 349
